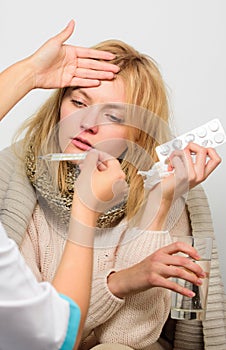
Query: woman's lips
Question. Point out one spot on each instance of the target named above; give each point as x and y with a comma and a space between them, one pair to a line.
81, 144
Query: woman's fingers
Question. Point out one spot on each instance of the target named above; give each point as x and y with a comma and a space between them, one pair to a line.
93, 69
88, 73
182, 169
197, 156
187, 271
184, 268
204, 160
92, 53
213, 161
165, 264
193, 164
171, 285
182, 247
169, 257
96, 65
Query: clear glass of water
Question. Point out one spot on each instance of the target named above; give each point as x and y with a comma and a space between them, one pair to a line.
187, 308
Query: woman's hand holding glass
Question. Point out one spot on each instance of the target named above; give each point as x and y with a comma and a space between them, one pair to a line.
156, 270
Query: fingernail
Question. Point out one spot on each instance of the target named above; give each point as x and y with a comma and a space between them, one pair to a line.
117, 69
111, 55
199, 282
191, 294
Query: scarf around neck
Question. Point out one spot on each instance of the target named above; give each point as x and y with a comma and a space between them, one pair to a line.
59, 202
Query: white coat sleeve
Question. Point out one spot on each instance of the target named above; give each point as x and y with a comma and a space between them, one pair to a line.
32, 314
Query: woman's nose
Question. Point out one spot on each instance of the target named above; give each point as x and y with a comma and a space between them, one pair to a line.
89, 122
88, 127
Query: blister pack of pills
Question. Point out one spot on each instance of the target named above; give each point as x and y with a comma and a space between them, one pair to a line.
210, 134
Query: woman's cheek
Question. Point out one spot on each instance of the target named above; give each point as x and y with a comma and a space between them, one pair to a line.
65, 111
68, 129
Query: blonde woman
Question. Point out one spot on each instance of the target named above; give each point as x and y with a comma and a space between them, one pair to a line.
133, 256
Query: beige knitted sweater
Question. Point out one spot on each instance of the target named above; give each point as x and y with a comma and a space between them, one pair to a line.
135, 320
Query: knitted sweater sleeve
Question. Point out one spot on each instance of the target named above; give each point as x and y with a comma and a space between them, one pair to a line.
17, 197
136, 320
211, 333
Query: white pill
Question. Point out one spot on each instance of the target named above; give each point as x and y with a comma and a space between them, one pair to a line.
204, 143
219, 137
189, 138
165, 150
214, 126
177, 144
202, 132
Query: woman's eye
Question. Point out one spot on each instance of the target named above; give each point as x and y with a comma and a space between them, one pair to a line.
78, 103
114, 118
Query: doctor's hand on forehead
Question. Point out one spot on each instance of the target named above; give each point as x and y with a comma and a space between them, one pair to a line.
55, 65
68, 65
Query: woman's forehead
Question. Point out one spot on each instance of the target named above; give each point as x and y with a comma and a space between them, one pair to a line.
106, 92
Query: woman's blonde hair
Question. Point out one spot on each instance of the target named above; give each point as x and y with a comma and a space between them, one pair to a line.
147, 101
148, 108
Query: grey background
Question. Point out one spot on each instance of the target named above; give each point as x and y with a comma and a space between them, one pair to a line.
185, 37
